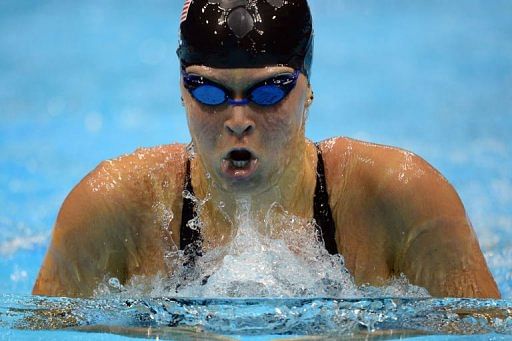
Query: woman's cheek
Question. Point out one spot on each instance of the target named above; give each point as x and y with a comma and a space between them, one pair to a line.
281, 130
204, 129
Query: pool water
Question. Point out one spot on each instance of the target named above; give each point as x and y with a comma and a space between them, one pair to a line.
84, 82
369, 318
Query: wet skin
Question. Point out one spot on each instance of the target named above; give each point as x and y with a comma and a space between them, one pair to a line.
393, 212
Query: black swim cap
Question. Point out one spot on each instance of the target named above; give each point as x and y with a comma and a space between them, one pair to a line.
246, 34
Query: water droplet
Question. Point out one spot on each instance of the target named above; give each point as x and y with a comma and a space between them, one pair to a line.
114, 283
186, 194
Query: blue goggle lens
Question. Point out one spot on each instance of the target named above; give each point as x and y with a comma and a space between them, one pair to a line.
209, 94
267, 95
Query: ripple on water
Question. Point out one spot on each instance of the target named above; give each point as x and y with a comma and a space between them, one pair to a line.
291, 316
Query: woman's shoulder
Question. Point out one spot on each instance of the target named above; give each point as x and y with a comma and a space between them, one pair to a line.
381, 172
135, 188
368, 160
131, 182
145, 166
147, 161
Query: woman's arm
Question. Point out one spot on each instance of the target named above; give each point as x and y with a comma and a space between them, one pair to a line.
396, 214
116, 222
87, 241
436, 246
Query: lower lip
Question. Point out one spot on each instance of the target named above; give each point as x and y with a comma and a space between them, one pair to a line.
239, 173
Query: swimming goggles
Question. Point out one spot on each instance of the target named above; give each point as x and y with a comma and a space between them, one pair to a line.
266, 93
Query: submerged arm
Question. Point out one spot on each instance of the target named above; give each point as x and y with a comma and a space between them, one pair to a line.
117, 222
443, 256
436, 246
86, 243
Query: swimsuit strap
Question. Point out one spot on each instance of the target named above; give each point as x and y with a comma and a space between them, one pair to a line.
188, 236
322, 211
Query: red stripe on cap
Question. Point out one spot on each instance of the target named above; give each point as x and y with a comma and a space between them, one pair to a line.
184, 13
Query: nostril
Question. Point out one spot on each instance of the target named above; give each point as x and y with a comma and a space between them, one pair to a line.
239, 129
231, 131
248, 129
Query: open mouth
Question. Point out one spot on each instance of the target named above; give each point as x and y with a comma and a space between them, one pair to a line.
239, 163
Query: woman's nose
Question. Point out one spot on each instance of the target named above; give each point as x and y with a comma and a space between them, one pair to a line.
239, 124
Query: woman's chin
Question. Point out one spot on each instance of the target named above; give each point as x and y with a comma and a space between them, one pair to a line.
250, 181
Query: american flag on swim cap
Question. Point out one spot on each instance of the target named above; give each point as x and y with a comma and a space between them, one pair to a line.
184, 13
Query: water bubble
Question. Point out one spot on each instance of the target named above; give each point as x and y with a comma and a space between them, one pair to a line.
194, 224
186, 194
191, 151
114, 283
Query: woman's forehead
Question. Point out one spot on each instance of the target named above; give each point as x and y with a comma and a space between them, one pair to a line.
241, 75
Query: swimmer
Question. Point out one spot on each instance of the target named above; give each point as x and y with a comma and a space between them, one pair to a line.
245, 85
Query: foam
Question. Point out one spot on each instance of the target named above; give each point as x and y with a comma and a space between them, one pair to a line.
278, 256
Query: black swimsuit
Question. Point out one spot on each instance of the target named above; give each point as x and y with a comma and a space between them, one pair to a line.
321, 208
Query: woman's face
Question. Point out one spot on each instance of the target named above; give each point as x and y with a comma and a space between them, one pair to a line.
246, 148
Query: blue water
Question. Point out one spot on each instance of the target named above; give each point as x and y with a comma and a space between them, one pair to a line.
171, 317
85, 81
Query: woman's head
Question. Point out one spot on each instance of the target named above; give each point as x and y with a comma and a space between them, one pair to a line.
245, 86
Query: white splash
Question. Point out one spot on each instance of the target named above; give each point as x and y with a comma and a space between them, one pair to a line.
285, 260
